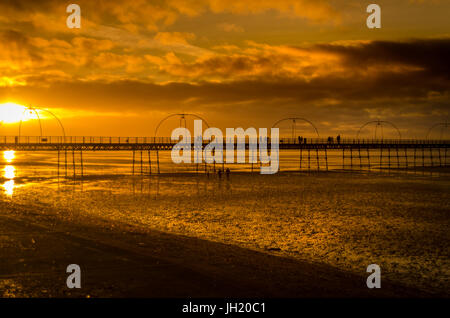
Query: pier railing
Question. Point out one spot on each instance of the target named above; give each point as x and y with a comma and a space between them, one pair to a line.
168, 141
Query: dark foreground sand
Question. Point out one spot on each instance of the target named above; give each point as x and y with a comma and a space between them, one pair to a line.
124, 263
284, 236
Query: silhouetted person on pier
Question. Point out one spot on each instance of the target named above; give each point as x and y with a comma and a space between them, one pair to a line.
338, 138
300, 139
304, 140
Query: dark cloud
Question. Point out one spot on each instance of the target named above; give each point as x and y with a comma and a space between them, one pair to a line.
431, 54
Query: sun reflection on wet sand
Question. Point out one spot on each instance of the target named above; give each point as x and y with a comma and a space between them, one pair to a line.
9, 155
9, 187
9, 172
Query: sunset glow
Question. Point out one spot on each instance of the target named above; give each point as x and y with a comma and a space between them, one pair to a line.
130, 65
14, 113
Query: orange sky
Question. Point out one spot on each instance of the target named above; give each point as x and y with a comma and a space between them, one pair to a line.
236, 63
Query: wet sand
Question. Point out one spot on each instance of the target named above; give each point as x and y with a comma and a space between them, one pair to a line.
126, 263
290, 235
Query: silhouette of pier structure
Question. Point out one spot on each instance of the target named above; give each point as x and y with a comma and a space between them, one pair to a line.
313, 153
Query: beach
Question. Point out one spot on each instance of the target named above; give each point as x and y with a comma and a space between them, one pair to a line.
313, 233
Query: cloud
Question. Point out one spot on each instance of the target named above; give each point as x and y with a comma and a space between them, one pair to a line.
230, 27
362, 81
337, 101
146, 56
350, 60
171, 38
91, 44
430, 55
141, 15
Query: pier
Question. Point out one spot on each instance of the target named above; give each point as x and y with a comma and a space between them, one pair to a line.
313, 153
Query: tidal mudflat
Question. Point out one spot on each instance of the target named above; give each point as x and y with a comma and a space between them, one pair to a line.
344, 220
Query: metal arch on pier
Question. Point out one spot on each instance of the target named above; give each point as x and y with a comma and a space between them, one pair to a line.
445, 125
183, 115
379, 123
57, 119
294, 119
35, 110
37, 114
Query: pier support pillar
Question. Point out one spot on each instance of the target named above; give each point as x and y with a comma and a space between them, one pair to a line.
301, 156
423, 157
389, 158
309, 159
157, 160
134, 155
406, 157
65, 161
81, 162
440, 159
351, 158
431, 157
317, 159
58, 163
360, 158
381, 157
73, 162
445, 157
149, 162
142, 165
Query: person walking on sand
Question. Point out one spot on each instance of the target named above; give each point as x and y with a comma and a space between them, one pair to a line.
228, 173
219, 173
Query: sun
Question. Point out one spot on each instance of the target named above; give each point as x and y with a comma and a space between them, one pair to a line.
14, 113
